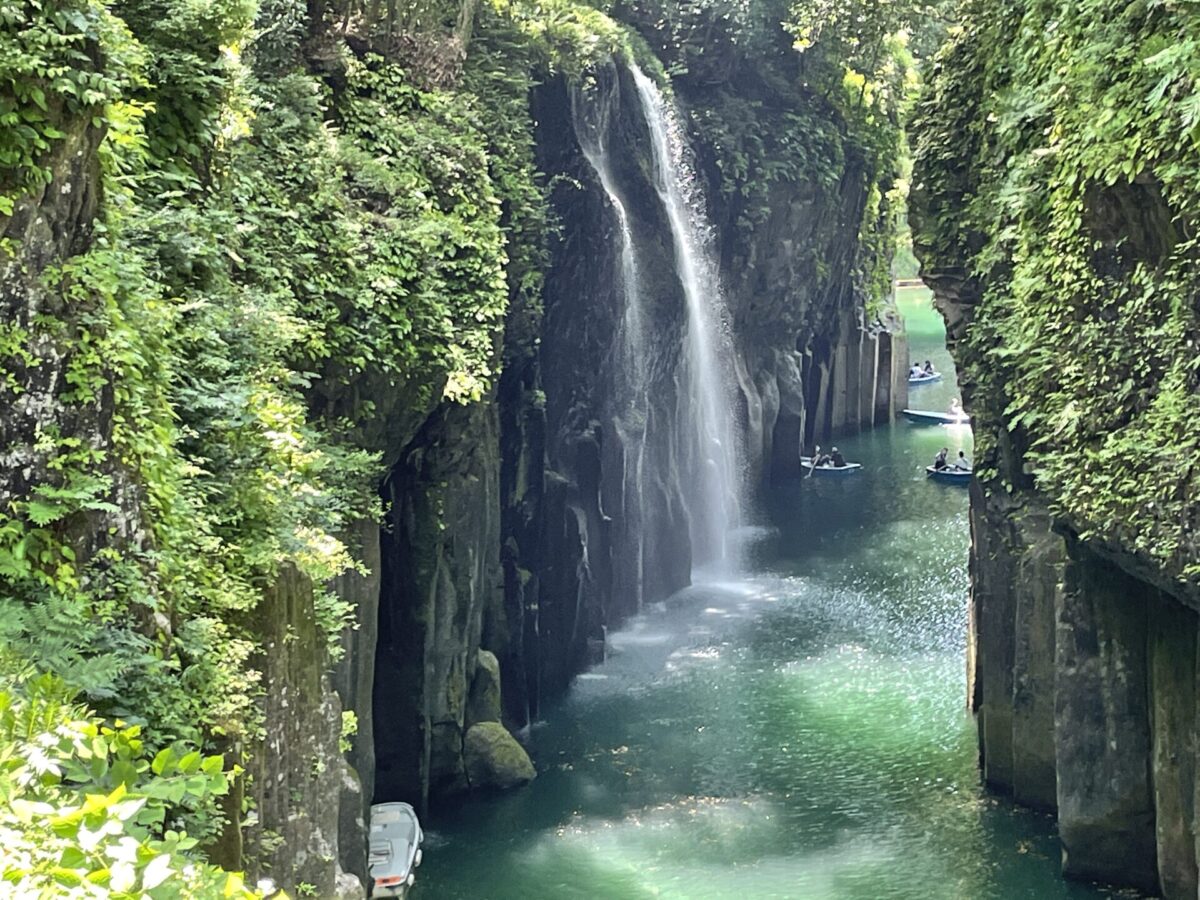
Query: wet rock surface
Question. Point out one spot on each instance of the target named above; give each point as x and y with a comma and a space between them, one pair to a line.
494, 759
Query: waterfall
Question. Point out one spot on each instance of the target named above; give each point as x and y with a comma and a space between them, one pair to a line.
669, 403
711, 487
591, 117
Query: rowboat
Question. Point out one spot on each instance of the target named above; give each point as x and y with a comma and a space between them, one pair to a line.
949, 475
925, 379
807, 463
930, 417
394, 850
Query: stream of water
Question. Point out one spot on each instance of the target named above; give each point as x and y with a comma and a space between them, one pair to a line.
796, 733
713, 484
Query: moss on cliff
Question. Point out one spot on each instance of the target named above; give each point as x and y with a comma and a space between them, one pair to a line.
1056, 183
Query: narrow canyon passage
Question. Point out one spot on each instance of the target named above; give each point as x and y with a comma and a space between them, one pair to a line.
797, 733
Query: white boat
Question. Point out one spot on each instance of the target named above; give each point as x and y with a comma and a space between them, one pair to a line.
930, 417
925, 379
395, 849
829, 469
949, 474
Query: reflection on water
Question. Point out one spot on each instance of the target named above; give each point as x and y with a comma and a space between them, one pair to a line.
799, 733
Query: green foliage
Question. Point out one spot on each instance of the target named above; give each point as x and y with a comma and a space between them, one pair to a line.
416, 164
305, 244
85, 809
1057, 167
567, 36
60, 64
349, 730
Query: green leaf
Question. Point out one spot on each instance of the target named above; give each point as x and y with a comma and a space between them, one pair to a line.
190, 763
164, 758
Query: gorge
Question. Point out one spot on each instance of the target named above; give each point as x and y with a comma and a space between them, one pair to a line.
368, 375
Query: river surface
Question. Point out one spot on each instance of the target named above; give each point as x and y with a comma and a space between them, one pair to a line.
796, 732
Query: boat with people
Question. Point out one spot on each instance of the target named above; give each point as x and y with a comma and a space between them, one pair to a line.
949, 475
395, 849
925, 378
923, 374
828, 468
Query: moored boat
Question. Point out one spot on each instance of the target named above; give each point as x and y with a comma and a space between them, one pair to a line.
395, 849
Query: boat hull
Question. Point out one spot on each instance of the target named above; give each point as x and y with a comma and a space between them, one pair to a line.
806, 463
931, 417
949, 475
926, 379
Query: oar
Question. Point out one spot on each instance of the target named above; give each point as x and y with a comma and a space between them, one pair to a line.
812, 463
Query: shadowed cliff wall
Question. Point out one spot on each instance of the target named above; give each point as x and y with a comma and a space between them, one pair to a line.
1055, 256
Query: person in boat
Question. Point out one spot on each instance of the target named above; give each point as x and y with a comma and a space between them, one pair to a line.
928, 368
962, 463
939, 461
955, 407
836, 459
916, 371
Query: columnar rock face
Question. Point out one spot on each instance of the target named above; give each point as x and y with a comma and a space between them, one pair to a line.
1082, 674
299, 779
440, 578
1012, 645
1173, 697
1102, 726
55, 223
354, 680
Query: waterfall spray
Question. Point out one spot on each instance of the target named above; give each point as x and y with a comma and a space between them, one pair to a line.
712, 485
591, 116
690, 446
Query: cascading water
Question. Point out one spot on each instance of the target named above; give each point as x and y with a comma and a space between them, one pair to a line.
669, 408
591, 114
711, 486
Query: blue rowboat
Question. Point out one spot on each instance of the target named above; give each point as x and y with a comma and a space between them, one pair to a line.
806, 462
929, 417
925, 379
949, 475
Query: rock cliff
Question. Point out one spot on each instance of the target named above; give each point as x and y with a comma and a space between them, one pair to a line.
1053, 253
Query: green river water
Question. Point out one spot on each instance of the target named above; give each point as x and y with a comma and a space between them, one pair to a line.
798, 732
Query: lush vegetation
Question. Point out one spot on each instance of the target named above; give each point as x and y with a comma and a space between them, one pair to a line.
796, 92
1056, 180
304, 229
275, 247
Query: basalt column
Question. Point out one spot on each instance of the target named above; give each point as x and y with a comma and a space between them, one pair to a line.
440, 577
1102, 726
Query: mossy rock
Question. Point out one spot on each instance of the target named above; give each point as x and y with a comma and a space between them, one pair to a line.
484, 703
494, 759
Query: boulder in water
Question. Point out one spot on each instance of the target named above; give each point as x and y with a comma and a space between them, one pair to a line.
494, 759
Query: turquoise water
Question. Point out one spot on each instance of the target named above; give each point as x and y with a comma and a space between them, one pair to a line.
796, 733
